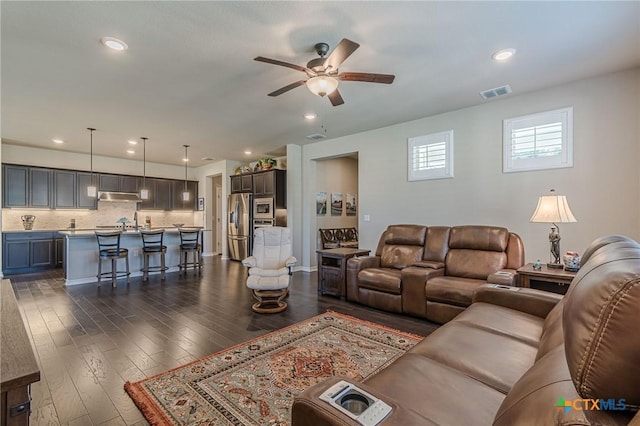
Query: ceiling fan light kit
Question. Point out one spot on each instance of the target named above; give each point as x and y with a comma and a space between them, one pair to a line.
322, 85
322, 73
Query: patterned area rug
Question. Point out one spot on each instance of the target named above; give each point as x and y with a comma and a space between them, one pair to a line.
254, 383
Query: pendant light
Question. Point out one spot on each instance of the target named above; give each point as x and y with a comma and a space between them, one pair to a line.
144, 192
185, 195
92, 191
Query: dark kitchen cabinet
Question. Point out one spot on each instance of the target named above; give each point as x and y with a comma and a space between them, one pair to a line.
15, 186
30, 251
160, 195
117, 183
59, 249
27, 187
271, 183
241, 183
40, 184
178, 188
83, 201
64, 188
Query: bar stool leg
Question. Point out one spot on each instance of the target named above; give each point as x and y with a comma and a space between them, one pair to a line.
145, 267
162, 266
114, 273
128, 273
99, 270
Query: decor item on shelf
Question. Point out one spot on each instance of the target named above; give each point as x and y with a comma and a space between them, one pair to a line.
266, 163
147, 222
553, 209
178, 225
123, 221
185, 195
144, 192
242, 169
92, 190
27, 221
571, 261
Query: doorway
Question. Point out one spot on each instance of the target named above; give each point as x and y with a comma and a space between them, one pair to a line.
216, 215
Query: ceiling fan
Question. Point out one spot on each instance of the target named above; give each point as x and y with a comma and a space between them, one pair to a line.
323, 76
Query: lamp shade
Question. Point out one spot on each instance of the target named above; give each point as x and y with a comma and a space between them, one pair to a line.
553, 209
322, 85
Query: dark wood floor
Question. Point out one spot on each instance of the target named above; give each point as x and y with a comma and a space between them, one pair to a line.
90, 340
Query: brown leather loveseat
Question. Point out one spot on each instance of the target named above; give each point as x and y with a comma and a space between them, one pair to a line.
432, 272
519, 356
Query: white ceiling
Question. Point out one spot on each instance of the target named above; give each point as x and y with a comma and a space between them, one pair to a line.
189, 75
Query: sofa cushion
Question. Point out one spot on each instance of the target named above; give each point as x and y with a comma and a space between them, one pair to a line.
438, 392
399, 257
552, 331
381, 279
476, 264
452, 290
515, 324
495, 359
411, 235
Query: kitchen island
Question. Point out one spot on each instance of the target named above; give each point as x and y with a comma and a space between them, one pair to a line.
81, 254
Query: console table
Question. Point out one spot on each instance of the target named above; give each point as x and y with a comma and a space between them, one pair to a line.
550, 275
332, 269
18, 361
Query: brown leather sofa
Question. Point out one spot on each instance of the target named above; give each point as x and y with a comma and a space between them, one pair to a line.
432, 272
518, 357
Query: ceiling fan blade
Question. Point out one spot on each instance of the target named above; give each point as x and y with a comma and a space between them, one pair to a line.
287, 88
335, 98
284, 64
368, 77
342, 51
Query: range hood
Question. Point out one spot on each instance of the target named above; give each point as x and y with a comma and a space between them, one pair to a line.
119, 196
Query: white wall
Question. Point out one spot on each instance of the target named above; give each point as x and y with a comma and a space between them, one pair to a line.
603, 186
336, 175
295, 220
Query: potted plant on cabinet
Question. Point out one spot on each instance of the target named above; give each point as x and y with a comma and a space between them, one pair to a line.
266, 163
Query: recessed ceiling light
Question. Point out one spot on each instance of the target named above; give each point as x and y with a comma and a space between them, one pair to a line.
310, 116
130, 151
207, 158
132, 142
503, 55
247, 152
58, 141
185, 159
114, 43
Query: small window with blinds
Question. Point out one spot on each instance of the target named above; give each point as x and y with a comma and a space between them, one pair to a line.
538, 141
431, 156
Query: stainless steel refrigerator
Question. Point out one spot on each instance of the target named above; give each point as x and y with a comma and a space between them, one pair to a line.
239, 217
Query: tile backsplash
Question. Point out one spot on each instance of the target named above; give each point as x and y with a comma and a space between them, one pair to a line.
107, 213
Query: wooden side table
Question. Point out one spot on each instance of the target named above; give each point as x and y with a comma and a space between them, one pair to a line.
332, 269
550, 275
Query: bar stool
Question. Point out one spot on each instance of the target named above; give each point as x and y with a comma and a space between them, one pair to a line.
190, 242
152, 244
109, 249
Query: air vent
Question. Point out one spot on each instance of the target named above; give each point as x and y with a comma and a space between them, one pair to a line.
316, 137
498, 91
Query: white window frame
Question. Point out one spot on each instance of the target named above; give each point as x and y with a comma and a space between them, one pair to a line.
444, 172
539, 162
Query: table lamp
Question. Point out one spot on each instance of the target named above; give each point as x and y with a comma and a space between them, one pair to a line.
553, 209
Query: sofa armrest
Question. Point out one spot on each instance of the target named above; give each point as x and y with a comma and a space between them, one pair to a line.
414, 298
527, 300
354, 266
503, 277
309, 410
250, 262
429, 264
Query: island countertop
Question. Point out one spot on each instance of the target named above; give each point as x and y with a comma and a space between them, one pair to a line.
81, 253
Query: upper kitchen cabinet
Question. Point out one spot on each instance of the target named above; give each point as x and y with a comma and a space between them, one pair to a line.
241, 183
178, 188
83, 201
117, 183
271, 183
160, 195
25, 186
64, 188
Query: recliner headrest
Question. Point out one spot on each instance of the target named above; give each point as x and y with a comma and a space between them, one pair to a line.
409, 235
477, 237
601, 321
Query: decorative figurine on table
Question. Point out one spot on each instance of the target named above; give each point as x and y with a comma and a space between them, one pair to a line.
537, 266
572, 261
554, 240
123, 221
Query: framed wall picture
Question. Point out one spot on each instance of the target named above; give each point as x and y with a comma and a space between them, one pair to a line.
200, 204
350, 205
321, 203
336, 204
